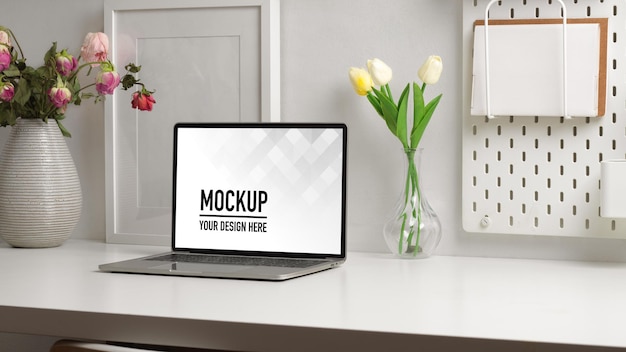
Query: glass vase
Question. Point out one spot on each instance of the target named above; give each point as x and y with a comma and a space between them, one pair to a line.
414, 230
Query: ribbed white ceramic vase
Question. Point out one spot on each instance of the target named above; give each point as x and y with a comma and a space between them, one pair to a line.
40, 194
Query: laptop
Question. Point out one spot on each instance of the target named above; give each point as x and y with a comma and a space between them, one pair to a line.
262, 201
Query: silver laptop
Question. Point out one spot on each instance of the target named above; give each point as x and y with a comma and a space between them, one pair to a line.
264, 201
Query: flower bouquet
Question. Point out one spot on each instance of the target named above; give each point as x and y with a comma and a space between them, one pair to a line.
414, 230
46, 91
40, 192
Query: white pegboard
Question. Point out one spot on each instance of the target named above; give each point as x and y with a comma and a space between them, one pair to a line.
541, 175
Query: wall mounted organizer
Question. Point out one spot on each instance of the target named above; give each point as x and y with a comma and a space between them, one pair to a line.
525, 54
540, 175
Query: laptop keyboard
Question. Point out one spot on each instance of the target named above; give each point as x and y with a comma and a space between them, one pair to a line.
235, 260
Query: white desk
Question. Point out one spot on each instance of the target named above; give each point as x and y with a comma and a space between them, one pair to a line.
372, 303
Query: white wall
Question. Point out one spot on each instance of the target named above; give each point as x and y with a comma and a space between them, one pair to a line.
320, 40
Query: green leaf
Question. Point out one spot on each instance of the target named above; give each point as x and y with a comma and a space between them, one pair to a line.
375, 103
128, 81
22, 92
12, 117
418, 104
12, 71
131, 67
64, 131
7, 115
51, 53
74, 85
401, 126
387, 91
389, 109
418, 131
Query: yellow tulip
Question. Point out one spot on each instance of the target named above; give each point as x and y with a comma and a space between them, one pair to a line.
430, 71
361, 80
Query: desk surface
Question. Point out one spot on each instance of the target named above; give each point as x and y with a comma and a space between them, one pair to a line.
373, 302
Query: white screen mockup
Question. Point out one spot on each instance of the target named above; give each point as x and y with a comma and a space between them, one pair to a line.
269, 189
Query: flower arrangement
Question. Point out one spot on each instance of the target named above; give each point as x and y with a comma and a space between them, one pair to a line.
395, 114
364, 81
45, 92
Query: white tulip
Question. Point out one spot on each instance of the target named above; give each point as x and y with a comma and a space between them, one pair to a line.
430, 71
380, 72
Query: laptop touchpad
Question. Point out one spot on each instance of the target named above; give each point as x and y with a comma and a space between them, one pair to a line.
199, 268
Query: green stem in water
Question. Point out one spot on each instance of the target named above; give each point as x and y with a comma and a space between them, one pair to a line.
419, 209
407, 187
412, 209
407, 212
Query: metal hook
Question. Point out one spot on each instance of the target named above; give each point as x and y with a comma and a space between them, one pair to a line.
487, 88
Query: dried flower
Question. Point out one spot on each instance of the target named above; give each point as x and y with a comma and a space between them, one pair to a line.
95, 47
45, 92
5, 57
5, 38
7, 91
60, 95
143, 101
107, 80
66, 64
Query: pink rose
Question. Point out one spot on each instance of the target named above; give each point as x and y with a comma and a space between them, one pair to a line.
5, 57
7, 91
60, 96
106, 82
95, 47
142, 101
5, 38
65, 63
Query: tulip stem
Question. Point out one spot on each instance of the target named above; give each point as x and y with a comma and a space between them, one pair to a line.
388, 91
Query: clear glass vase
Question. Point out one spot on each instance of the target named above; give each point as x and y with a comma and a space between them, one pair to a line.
414, 230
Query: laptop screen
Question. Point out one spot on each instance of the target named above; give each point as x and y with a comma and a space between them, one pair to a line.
274, 188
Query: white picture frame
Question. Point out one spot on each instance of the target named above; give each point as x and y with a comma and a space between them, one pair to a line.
207, 60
